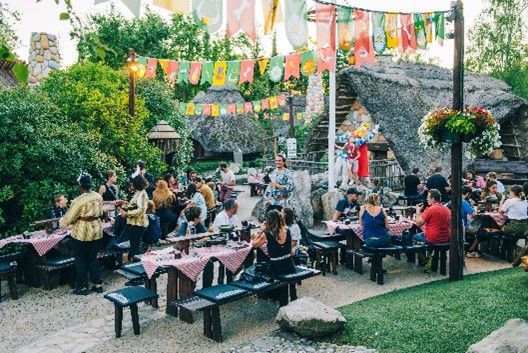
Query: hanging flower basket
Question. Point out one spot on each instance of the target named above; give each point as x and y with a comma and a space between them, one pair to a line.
474, 126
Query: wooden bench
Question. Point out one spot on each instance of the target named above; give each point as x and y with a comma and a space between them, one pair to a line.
8, 272
210, 299
519, 168
51, 270
125, 297
504, 246
326, 254
136, 271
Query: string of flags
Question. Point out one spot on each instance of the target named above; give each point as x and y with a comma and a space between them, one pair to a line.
269, 106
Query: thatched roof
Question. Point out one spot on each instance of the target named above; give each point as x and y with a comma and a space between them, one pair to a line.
7, 77
227, 133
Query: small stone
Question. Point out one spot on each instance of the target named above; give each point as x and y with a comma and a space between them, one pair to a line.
33, 45
47, 55
32, 79
35, 36
55, 57
53, 50
37, 69
33, 56
38, 45
44, 41
52, 37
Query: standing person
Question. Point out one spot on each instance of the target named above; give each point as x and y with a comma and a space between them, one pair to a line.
85, 215
353, 156
438, 182
411, 183
109, 189
348, 204
207, 193
341, 161
58, 208
140, 166
227, 182
228, 216
280, 186
375, 223
136, 215
279, 243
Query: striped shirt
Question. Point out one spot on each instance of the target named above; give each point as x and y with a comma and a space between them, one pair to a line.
87, 205
138, 217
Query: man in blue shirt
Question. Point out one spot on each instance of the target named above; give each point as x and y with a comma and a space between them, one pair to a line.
347, 204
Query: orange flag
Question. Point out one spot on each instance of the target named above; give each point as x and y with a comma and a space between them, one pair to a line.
363, 49
325, 25
326, 60
195, 72
246, 71
152, 64
241, 15
408, 43
292, 66
172, 70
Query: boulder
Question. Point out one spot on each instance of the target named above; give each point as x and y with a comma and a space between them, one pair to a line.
330, 200
511, 338
52, 37
310, 318
317, 204
319, 180
259, 210
300, 200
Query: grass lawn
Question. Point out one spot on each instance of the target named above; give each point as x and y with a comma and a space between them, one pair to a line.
437, 317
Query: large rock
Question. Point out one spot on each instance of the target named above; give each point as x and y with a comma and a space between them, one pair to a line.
511, 338
317, 204
310, 318
330, 200
300, 199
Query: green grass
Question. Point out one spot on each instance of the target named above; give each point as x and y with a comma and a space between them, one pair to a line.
437, 317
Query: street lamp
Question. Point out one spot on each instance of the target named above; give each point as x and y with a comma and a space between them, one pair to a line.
133, 68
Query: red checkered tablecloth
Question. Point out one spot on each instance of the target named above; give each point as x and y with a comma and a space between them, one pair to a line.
40, 240
395, 229
193, 264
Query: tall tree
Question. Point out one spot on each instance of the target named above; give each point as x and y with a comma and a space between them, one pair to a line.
499, 38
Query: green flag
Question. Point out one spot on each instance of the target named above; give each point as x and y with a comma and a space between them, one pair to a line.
345, 29
379, 36
308, 63
276, 68
208, 13
207, 72
183, 71
419, 29
439, 27
233, 73
296, 25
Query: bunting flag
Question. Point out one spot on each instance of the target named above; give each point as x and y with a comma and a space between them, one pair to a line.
215, 110
208, 13
296, 24
206, 109
379, 37
326, 60
264, 104
233, 72
419, 30
198, 109
344, 29
247, 68
231, 108
133, 5
272, 13
256, 106
207, 72
152, 64
281, 99
142, 63
172, 70
219, 73
439, 27
182, 108
263, 63
308, 64
408, 38
325, 25
276, 69
363, 50
183, 71
292, 66
180, 6
223, 109
299, 116
195, 72
428, 20
241, 15
285, 116
248, 107
190, 109
273, 103
391, 29
240, 108
164, 63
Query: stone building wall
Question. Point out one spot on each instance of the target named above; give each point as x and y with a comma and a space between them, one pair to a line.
44, 56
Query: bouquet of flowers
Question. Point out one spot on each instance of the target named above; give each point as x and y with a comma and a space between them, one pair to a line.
474, 125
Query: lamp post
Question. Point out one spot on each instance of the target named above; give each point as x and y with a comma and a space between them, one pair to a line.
289, 100
133, 68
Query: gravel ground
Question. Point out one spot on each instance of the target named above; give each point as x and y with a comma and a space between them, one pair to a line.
38, 313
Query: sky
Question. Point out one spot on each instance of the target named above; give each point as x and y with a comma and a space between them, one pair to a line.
44, 17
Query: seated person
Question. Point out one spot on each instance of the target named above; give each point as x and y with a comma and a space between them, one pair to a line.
376, 186
491, 195
375, 223
207, 193
500, 185
228, 216
213, 187
347, 205
473, 180
411, 185
279, 243
171, 181
153, 233
516, 209
253, 175
291, 225
436, 218
193, 224
58, 208
164, 200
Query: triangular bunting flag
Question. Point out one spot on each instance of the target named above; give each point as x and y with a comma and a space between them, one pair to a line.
391, 27
152, 64
428, 20
190, 108
240, 108
223, 109
408, 38
207, 72
292, 66
326, 60
276, 68
206, 109
308, 63
246, 71
142, 63
256, 106
379, 37
281, 100
195, 73
296, 26
419, 30
299, 116
133, 5
285, 116
183, 71
182, 108
241, 15
208, 13
164, 63
263, 63
264, 103
198, 109
219, 73
325, 25
172, 70
231, 108
233, 72
248, 107
363, 50
215, 110
176, 6
272, 13
439, 27
273, 103
344, 29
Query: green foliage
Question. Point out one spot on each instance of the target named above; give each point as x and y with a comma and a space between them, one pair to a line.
498, 38
8, 37
435, 317
517, 77
41, 154
301, 133
206, 167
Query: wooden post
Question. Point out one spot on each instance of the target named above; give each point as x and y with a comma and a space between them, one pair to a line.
456, 251
290, 111
131, 84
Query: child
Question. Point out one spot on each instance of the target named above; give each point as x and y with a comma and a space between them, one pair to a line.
353, 155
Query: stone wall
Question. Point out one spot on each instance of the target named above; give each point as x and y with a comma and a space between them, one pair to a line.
44, 56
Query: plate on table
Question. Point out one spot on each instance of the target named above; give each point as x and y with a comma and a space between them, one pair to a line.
226, 228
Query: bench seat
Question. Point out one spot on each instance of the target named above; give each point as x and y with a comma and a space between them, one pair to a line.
51, 270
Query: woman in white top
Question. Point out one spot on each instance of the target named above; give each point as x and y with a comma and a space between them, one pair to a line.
516, 208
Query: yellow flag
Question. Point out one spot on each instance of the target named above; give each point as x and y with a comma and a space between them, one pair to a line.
428, 23
176, 6
164, 64
272, 14
219, 73
190, 108
285, 116
263, 63
391, 29
215, 110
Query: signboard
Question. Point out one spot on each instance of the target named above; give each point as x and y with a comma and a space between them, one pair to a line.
291, 144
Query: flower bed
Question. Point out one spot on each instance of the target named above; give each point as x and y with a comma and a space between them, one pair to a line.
475, 126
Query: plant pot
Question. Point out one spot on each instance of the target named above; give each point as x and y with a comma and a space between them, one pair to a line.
450, 137
469, 137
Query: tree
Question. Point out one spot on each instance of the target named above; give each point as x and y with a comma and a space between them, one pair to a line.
498, 39
8, 37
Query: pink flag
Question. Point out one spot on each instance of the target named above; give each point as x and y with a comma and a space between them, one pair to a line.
408, 43
195, 72
246, 71
264, 104
152, 64
231, 108
326, 60
325, 25
363, 48
292, 66
248, 107
241, 15
282, 100
206, 110
172, 70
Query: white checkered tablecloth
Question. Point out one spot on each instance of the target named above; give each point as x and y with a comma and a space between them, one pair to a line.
40, 240
193, 264
395, 229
